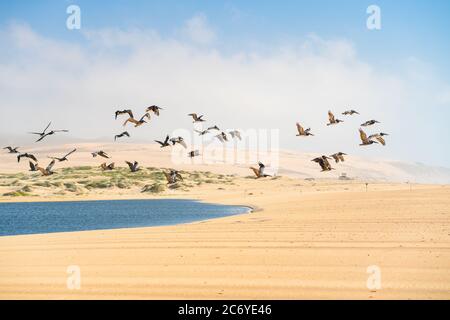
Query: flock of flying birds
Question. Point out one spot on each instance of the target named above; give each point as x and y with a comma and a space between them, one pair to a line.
173, 176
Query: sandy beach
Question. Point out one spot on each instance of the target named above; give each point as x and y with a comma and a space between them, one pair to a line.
304, 240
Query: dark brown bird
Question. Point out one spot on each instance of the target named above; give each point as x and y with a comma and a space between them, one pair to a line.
323, 162
332, 120
123, 134
369, 123
129, 112
154, 109
33, 167
202, 133
100, 153
303, 132
338, 157
350, 112
178, 140
108, 167
48, 170
172, 176
26, 155
165, 143
214, 128
136, 122
134, 166
196, 118
235, 134
50, 133
259, 173
41, 134
365, 141
193, 153
65, 157
12, 150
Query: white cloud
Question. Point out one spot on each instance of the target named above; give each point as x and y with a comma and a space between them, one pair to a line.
79, 86
198, 29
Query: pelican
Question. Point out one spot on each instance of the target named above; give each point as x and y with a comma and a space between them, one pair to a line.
33, 167
303, 132
41, 134
214, 128
365, 141
193, 153
338, 157
235, 134
100, 153
123, 134
222, 137
133, 166
165, 143
129, 112
379, 137
26, 155
50, 133
259, 173
332, 119
172, 176
65, 157
48, 170
202, 133
136, 122
178, 140
196, 118
108, 167
369, 123
350, 112
11, 149
323, 162
154, 109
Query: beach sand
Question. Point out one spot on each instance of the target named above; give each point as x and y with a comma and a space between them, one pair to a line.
304, 240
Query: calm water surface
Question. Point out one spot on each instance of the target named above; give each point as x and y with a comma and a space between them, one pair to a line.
46, 217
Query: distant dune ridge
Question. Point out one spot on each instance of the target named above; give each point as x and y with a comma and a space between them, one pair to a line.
290, 163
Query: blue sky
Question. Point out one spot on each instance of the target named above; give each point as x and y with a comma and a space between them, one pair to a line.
408, 56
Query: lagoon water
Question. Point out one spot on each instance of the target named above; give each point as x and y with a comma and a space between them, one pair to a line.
47, 217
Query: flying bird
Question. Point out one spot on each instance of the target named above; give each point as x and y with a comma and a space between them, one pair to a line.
48, 170
139, 122
50, 133
154, 109
235, 134
193, 153
165, 143
172, 176
33, 167
11, 149
100, 153
178, 140
26, 155
134, 166
303, 132
369, 123
323, 162
379, 137
365, 141
332, 119
65, 157
129, 112
222, 137
338, 157
196, 118
43, 132
123, 134
108, 167
214, 128
259, 173
350, 112
202, 133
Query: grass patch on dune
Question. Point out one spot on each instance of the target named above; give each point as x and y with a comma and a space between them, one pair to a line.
154, 188
18, 193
